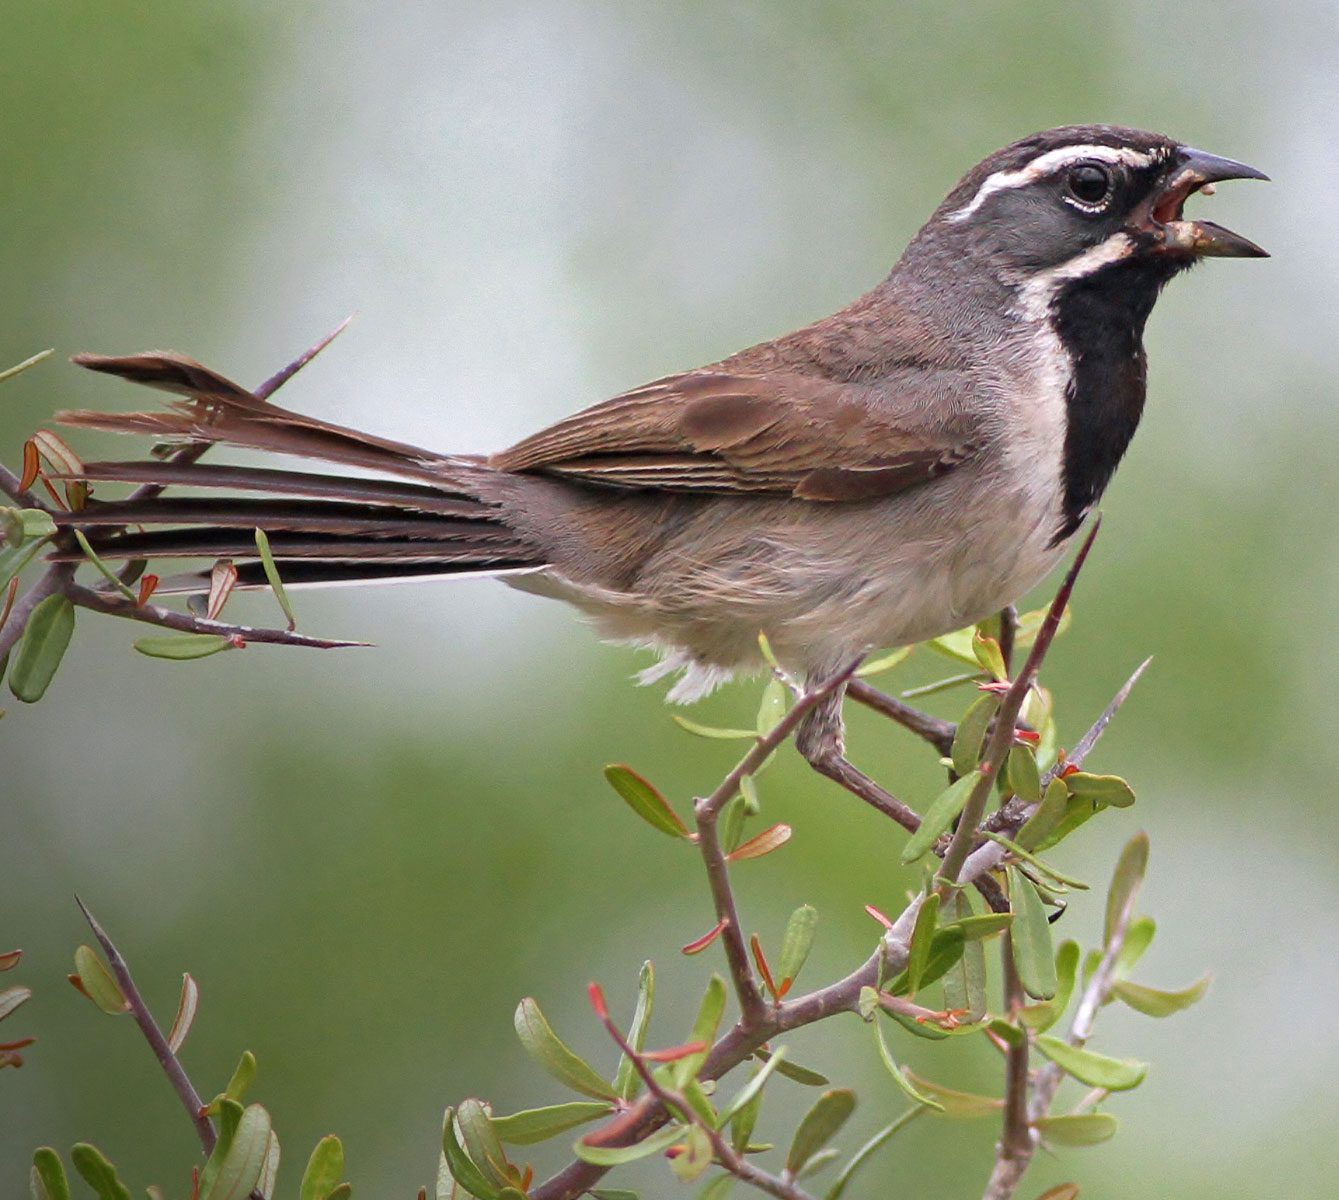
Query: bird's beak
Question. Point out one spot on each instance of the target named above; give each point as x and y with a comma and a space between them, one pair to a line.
1196, 171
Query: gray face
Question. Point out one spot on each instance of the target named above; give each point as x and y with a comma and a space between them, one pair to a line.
1068, 208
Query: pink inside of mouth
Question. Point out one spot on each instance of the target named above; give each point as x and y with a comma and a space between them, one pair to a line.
1169, 204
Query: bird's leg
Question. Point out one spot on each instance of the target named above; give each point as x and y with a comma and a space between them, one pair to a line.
820, 741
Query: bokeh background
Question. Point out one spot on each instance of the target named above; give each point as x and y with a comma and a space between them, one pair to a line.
366, 857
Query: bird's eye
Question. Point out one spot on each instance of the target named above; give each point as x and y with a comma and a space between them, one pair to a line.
1090, 184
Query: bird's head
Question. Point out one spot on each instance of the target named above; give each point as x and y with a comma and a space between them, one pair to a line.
1069, 203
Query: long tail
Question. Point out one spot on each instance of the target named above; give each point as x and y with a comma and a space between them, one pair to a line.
431, 517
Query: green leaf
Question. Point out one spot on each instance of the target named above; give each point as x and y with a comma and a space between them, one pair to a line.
965, 981
645, 800
695, 1158
799, 937
956, 645
1044, 868
483, 1146
743, 1122
458, 1163
711, 731
1125, 881
970, 734
533, 1125
732, 822
98, 1173
242, 1077
1096, 1070
954, 1103
229, 1119
718, 1189
26, 364
1078, 811
753, 1088
1108, 789
748, 791
183, 647
945, 950
980, 926
922, 937
696, 1096
1030, 623
885, 662
987, 653
272, 576
794, 1072
48, 1180
99, 985
549, 1051
1008, 1032
1138, 938
1042, 1016
1153, 1002
1039, 826
819, 1126
709, 1015
103, 569
899, 1077
1031, 937
942, 685
13, 559
241, 1168
613, 1156
1022, 774
920, 1029
820, 1160
324, 1168
45, 640
866, 1151
626, 1079
772, 707
938, 817
1083, 1129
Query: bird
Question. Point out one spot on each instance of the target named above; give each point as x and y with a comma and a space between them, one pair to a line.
904, 467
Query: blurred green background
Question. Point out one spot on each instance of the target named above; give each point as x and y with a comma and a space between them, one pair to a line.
366, 857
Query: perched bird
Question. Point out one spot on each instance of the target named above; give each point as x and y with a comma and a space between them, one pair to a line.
902, 468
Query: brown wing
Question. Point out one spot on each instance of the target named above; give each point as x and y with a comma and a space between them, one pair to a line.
778, 433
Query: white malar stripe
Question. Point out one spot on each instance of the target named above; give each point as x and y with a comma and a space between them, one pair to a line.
1045, 164
1036, 295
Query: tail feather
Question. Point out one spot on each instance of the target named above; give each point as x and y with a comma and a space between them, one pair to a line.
432, 517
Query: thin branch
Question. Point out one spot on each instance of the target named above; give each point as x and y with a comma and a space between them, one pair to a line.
728, 1157
1002, 736
152, 614
935, 730
171, 1064
706, 812
846, 774
1016, 1137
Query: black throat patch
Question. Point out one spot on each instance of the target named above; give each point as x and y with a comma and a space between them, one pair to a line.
1100, 321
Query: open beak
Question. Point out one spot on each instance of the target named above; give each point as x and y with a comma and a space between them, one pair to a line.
1195, 171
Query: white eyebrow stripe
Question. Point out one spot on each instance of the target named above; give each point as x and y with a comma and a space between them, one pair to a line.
1036, 295
1046, 163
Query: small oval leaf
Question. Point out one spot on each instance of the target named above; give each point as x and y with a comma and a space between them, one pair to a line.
45, 640
971, 733
939, 816
1031, 938
1153, 1002
795, 944
324, 1168
533, 1125
97, 982
645, 800
819, 1126
1125, 881
613, 1156
1096, 1070
550, 1052
1083, 1129
182, 648
99, 1174
186, 1006
48, 1180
